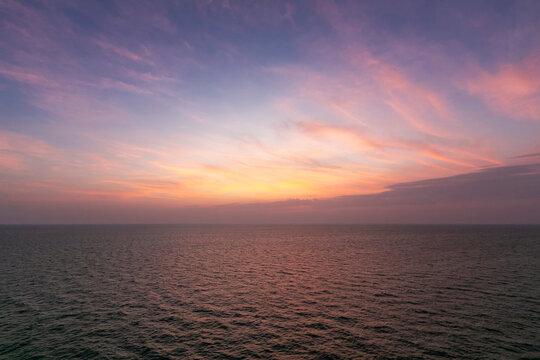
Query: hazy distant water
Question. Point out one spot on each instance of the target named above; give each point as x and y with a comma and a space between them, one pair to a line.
270, 292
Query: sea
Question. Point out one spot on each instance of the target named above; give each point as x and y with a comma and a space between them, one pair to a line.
269, 292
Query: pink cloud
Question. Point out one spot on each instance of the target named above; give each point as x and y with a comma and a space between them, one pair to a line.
24, 144
11, 162
422, 107
514, 89
77, 105
120, 85
20, 152
365, 81
22, 75
122, 52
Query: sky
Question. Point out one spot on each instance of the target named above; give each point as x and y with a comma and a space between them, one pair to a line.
269, 111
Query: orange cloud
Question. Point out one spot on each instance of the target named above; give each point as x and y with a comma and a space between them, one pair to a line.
468, 156
345, 133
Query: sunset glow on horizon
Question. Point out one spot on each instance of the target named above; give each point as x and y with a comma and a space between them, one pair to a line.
108, 109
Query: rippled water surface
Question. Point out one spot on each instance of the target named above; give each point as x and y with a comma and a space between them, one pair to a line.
269, 292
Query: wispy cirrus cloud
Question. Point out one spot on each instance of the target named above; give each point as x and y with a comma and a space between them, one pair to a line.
513, 89
23, 147
377, 111
123, 86
122, 52
21, 75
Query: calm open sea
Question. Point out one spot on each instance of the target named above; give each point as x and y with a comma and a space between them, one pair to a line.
269, 292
